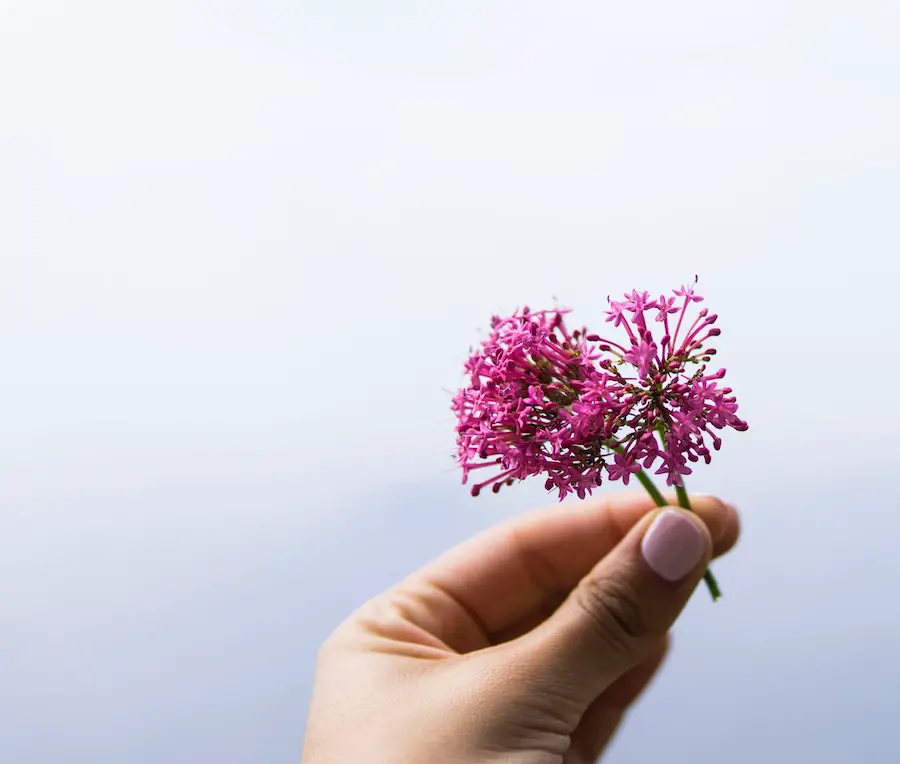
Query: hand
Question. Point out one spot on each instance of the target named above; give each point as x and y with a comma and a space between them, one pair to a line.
526, 644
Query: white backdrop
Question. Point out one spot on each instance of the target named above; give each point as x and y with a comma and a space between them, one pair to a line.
244, 248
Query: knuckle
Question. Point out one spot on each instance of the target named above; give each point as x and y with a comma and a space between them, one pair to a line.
326, 650
337, 644
615, 613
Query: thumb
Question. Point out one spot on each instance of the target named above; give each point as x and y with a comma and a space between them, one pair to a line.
618, 613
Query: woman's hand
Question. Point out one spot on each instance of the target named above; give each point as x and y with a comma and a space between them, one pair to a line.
526, 644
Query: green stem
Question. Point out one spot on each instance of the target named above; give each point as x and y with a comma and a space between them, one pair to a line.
710, 579
645, 481
685, 503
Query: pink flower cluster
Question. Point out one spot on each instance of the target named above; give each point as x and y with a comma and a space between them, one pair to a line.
544, 400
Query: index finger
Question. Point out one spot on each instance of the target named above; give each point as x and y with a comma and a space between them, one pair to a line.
507, 572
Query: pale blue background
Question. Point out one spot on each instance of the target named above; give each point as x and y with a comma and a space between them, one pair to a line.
244, 247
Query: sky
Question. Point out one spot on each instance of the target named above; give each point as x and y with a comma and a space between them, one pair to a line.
244, 249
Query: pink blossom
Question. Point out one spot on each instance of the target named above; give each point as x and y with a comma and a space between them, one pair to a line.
623, 467
676, 401
544, 400
641, 355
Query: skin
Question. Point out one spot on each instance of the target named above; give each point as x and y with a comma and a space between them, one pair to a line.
525, 645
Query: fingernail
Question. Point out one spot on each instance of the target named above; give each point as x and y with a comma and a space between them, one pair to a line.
673, 545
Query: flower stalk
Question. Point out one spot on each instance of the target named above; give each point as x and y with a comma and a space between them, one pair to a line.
708, 577
685, 503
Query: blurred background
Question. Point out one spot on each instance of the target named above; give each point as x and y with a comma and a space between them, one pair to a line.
244, 249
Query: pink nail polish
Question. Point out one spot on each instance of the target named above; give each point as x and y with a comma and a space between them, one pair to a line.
673, 545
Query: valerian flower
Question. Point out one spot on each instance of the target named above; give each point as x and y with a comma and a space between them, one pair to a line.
667, 384
535, 401
571, 406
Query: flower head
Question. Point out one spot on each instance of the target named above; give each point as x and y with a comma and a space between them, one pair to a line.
544, 400
676, 402
536, 401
